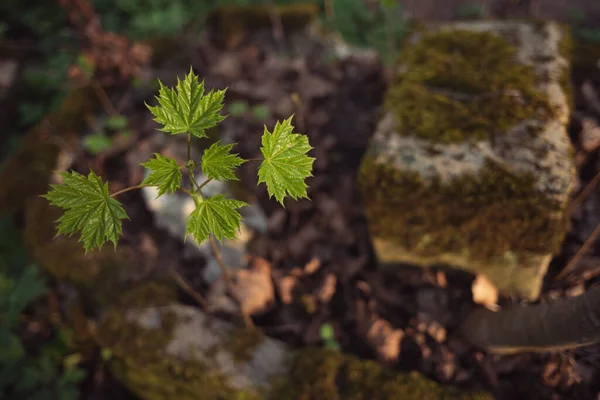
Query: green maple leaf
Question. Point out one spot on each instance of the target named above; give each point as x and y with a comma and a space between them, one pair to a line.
186, 108
285, 165
164, 173
218, 163
215, 215
88, 208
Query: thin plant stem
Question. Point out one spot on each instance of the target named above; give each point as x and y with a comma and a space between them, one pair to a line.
276, 24
193, 178
106, 103
189, 290
580, 253
115, 194
189, 158
228, 281
587, 190
143, 186
189, 146
222, 266
206, 182
329, 14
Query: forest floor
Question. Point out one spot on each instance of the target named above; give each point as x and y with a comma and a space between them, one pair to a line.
319, 252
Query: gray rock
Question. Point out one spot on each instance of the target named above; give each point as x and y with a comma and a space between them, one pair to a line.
203, 338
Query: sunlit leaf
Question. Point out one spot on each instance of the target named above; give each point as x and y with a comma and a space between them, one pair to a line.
186, 108
88, 208
164, 173
215, 215
286, 165
218, 162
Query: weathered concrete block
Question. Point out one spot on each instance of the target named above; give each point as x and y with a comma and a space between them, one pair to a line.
471, 165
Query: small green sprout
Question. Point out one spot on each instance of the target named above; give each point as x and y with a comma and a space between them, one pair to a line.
90, 209
327, 334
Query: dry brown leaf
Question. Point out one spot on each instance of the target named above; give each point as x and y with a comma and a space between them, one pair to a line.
385, 340
436, 331
327, 289
591, 97
252, 288
364, 287
312, 266
484, 292
576, 290
590, 135
285, 288
441, 279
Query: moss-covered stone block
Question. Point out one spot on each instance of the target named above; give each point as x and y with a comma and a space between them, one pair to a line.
471, 166
177, 352
232, 19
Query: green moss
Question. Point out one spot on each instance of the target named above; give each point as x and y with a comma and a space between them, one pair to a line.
452, 92
243, 342
148, 294
322, 374
566, 51
141, 364
489, 214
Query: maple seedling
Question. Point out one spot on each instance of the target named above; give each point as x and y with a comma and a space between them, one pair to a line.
89, 208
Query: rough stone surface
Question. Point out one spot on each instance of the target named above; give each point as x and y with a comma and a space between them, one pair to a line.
175, 351
206, 339
537, 147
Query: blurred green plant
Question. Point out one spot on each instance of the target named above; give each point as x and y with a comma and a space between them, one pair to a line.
141, 19
327, 334
48, 79
49, 371
260, 112
97, 142
380, 27
100, 141
50, 45
577, 19
468, 12
239, 108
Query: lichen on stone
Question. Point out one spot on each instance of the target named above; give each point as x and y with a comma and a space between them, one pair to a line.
142, 363
243, 341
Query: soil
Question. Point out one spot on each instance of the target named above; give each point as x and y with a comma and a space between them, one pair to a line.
340, 107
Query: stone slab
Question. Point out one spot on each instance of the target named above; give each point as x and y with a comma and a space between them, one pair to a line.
471, 165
